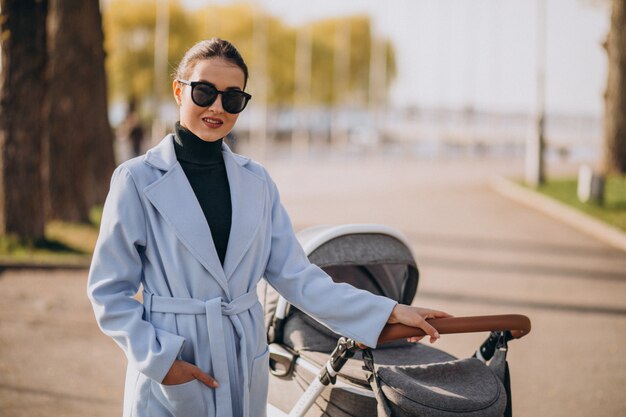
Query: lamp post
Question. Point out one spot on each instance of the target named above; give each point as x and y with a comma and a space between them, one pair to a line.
161, 46
304, 50
535, 145
377, 81
260, 84
341, 82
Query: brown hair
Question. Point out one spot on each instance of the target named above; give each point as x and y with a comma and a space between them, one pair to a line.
210, 48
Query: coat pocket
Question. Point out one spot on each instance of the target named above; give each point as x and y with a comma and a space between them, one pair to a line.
259, 379
188, 399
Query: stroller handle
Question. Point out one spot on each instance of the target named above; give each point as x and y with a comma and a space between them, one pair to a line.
517, 324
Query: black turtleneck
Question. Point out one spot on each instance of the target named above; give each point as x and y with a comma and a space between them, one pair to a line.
204, 167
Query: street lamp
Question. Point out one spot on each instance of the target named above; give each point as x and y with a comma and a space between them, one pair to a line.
161, 46
535, 144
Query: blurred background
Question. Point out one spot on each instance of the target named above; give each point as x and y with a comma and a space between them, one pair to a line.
399, 112
524, 80
419, 77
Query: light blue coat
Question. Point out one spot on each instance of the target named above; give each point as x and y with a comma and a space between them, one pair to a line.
155, 235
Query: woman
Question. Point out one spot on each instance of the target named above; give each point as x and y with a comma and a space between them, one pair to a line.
198, 226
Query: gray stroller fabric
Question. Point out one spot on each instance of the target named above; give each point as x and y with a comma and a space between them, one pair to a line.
303, 333
361, 249
411, 353
377, 263
462, 387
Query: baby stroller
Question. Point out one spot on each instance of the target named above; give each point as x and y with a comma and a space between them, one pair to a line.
317, 373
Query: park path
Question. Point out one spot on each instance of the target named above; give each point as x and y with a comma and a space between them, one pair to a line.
478, 253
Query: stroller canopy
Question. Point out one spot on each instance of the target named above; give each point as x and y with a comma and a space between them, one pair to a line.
370, 257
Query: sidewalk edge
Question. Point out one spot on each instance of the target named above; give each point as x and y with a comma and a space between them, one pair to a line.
560, 211
42, 266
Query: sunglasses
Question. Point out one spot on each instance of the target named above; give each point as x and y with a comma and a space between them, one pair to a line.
204, 94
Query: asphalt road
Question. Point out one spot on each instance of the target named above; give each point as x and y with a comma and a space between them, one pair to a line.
478, 253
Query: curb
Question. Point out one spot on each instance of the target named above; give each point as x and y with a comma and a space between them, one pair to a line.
13, 266
580, 221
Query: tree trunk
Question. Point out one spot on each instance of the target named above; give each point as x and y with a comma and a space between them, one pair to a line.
615, 96
80, 150
22, 84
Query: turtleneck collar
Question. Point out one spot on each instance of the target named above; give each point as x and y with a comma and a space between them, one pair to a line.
190, 148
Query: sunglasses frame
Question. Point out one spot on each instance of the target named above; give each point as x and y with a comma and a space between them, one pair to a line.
193, 84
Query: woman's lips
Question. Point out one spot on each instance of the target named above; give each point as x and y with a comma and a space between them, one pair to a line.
212, 122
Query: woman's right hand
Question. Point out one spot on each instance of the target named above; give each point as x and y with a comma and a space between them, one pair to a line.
182, 372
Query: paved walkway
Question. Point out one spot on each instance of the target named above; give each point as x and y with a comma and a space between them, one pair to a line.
478, 252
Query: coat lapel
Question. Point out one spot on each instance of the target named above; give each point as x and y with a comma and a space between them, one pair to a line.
247, 191
175, 200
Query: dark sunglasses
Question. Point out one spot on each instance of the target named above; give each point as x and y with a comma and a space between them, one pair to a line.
204, 94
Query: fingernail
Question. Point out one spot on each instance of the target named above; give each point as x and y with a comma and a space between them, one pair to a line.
437, 335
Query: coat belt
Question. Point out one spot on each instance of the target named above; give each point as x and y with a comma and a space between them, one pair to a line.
214, 309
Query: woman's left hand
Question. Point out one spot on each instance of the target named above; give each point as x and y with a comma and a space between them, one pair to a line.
416, 317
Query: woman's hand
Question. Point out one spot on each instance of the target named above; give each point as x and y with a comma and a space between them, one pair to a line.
416, 317
182, 372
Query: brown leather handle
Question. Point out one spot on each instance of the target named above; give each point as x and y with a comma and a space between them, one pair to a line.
518, 324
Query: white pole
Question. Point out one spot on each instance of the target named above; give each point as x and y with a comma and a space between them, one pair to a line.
304, 50
535, 169
378, 73
161, 46
259, 138
341, 84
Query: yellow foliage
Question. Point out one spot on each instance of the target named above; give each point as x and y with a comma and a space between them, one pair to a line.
129, 27
129, 41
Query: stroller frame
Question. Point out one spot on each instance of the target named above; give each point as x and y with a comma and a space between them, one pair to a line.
503, 328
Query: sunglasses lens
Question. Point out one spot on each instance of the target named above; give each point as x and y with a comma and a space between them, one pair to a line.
203, 94
234, 101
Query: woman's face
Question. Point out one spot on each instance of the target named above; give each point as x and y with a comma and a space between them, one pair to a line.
209, 123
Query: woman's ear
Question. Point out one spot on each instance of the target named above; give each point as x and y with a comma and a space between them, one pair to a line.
178, 92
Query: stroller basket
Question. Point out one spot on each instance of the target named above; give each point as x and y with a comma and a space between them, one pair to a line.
405, 379
459, 387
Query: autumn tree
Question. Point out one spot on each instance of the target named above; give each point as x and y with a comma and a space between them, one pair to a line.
326, 49
22, 89
615, 96
80, 151
130, 38
130, 27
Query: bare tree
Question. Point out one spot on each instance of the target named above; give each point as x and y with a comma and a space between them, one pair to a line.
80, 151
615, 95
22, 83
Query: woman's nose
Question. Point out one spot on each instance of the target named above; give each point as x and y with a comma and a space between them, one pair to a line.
216, 107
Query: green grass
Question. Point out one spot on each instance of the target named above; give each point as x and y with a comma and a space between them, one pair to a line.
64, 243
612, 211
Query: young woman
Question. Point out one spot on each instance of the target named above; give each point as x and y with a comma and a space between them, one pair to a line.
197, 227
